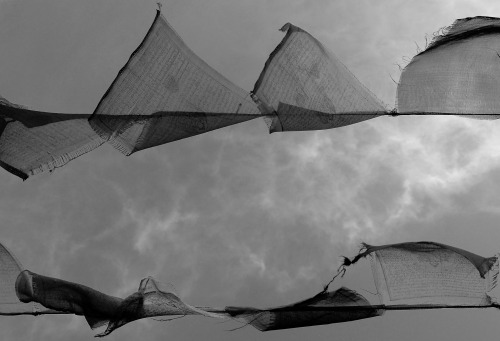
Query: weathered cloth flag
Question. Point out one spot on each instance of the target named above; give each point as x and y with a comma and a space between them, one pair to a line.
426, 274
307, 88
10, 269
423, 275
164, 93
23, 292
34, 141
457, 74
341, 305
100, 309
151, 300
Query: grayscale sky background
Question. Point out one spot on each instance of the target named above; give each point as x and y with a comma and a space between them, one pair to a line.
238, 216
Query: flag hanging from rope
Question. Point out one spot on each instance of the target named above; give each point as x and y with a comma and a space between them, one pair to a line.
423, 275
34, 141
307, 88
457, 74
341, 305
165, 92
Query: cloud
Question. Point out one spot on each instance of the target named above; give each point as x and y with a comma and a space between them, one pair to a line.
374, 177
155, 227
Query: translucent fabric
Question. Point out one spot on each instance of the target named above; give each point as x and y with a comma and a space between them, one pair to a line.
10, 268
34, 141
341, 305
307, 88
152, 300
431, 274
25, 292
98, 308
423, 275
165, 92
180, 94
457, 74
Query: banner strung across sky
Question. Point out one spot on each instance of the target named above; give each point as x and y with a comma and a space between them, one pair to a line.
408, 276
165, 92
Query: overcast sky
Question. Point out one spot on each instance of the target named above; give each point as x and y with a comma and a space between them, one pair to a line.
237, 216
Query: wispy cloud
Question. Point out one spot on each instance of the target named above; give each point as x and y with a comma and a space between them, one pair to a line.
276, 210
369, 179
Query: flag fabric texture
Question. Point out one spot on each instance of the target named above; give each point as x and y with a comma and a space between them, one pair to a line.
165, 93
457, 74
426, 274
423, 275
308, 88
32, 141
